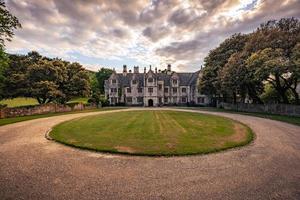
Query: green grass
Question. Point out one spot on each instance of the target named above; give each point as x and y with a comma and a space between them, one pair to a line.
284, 118
26, 118
83, 100
153, 133
22, 101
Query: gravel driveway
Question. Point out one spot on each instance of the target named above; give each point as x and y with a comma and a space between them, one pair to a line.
32, 167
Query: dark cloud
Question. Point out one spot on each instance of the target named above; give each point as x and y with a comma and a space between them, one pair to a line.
175, 30
203, 42
156, 33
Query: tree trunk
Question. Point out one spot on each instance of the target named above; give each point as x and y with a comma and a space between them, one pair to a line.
281, 90
282, 93
39, 100
234, 97
296, 95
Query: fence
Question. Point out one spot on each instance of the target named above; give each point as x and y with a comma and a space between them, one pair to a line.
42, 109
281, 109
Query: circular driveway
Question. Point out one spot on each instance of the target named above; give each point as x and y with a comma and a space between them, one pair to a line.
32, 167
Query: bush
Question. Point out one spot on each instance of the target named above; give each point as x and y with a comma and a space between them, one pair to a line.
3, 106
120, 104
104, 102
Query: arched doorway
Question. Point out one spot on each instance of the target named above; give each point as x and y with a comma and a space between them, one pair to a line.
150, 102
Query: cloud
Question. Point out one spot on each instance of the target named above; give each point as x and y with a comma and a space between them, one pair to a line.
157, 32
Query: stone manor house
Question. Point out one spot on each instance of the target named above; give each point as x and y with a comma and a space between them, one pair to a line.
154, 88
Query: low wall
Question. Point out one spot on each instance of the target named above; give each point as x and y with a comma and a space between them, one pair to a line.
281, 109
42, 109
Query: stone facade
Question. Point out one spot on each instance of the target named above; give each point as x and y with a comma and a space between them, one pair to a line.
154, 88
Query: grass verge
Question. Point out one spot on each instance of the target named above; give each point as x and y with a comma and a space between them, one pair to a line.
284, 118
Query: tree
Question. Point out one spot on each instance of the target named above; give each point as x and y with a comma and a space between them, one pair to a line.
272, 66
16, 82
281, 36
243, 63
3, 66
210, 81
44, 78
94, 82
45, 91
8, 24
238, 80
102, 75
77, 82
295, 62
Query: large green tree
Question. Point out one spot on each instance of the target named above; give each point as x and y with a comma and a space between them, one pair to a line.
16, 78
45, 79
8, 23
237, 80
241, 65
3, 65
273, 66
210, 82
76, 82
102, 75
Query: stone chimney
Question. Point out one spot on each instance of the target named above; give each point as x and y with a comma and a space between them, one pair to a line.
169, 70
156, 70
145, 70
136, 69
124, 70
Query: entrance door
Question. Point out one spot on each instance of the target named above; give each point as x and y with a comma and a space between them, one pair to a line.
150, 102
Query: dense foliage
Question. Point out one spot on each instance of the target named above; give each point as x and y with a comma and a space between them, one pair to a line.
242, 66
45, 79
102, 75
8, 24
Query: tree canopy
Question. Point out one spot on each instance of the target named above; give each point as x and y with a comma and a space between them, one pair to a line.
102, 75
240, 66
45, 79
8, 23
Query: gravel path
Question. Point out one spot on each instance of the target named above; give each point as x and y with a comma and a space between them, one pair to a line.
32, 167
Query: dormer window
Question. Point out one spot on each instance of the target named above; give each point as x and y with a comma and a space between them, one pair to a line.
150, 80
113, 81
174, 81
133, 81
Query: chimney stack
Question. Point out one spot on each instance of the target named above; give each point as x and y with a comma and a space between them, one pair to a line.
144, 69
169, 70
136, 69
155, 69
124, 70
169, 67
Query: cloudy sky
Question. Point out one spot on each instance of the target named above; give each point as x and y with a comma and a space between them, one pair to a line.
110, 33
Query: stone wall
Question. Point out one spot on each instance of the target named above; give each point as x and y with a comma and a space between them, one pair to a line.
281, 109
42, 109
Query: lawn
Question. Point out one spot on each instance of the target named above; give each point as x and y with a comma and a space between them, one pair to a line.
22, 101
25, 118
153, 133
284, 118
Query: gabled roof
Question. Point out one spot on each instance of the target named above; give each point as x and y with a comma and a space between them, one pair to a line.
185, 79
